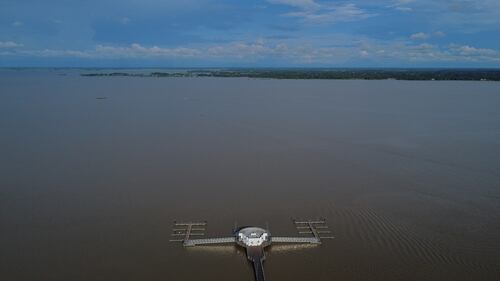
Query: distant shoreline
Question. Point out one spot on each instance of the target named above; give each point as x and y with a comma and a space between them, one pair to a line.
344, 74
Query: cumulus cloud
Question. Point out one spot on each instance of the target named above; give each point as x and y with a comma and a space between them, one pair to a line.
404, 9
473, 53
47, 53
429, 52
468, 15
439, 34
402, 5
331, 14
234, 49
419, 36
137, 50
312, 12
425, 36
10, 44
305, 4
403, 2
125, 20
291, 52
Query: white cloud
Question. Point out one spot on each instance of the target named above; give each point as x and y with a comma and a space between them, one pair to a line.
299, 52
419, 36
312, 12
439, 34
10, 44
425, 36
434, 53
461, 15
331, 14
402, 5
304, 4
404, 9
473, 53
138, 51
17, 23
403, 2
125, 20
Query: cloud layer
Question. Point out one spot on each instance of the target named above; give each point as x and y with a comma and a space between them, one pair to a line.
263, 32
302, 54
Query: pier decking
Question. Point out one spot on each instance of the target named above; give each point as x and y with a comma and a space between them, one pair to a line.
209, 241
304, 240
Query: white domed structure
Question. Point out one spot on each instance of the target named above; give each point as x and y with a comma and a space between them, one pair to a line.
253, 237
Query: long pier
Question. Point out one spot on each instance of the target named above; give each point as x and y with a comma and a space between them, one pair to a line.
209, 241
254, 239
310, 240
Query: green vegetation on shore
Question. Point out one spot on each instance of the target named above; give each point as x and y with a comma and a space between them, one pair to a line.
363, 74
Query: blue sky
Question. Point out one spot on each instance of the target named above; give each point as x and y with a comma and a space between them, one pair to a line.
268, 33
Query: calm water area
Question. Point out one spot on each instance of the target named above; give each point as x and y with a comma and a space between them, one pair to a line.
94, 170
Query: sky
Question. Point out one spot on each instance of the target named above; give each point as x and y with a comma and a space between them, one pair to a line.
250, 33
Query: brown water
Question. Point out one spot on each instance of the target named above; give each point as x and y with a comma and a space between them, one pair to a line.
406, 173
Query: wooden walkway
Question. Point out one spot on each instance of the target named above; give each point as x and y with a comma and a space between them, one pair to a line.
209, 241
302, 240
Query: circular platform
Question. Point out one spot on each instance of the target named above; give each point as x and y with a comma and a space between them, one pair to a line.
253, 237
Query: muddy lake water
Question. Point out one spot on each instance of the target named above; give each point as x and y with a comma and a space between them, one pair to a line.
94, 170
